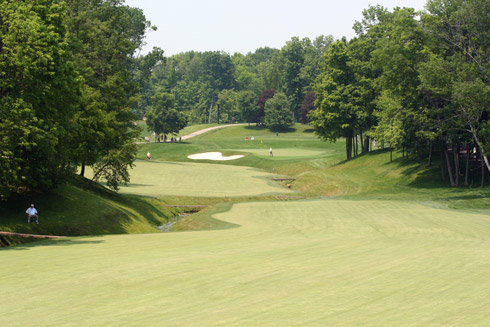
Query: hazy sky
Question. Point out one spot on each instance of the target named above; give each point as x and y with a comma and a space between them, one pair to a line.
243, 26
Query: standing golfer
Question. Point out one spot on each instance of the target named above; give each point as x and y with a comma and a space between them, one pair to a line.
32, 212
270, 152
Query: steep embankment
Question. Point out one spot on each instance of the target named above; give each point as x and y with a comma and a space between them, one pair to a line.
81, 208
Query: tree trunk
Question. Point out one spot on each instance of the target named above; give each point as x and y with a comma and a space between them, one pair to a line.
391, 153
348, 147
456, 163
210, 111
466, 174
354, 143
353, 147
448, 163
357, 146
367, 143
362, 142
482, 172
482, 151
429, 163
82, 170
443, 166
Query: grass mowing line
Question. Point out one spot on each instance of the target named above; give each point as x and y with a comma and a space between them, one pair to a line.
308, 263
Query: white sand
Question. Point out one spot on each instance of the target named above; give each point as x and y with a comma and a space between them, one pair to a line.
213, 156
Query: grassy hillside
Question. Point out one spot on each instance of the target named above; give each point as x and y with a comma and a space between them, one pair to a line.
320, 168
171, 178
81, 208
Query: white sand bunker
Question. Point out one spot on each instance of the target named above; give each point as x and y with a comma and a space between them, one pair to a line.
213, 156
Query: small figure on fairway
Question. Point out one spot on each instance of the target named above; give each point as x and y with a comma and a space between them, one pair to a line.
148, 156
31, 214
270, 152
252, 138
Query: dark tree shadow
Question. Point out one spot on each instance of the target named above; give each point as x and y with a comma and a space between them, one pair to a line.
52, 242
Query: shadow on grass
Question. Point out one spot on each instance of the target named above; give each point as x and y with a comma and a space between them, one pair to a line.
159, 161
138, 185
278, 130
94, 215
255, 128
57, 242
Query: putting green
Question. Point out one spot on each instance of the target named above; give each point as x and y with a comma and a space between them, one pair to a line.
313, 263
287, 153
160, 178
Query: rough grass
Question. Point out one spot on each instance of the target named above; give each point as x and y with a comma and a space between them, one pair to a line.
308, 263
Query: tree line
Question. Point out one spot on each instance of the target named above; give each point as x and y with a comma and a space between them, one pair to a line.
414, 81
69, 83
72, 85
216, 87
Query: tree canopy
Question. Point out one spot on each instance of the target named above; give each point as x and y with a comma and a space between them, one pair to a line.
417, 81
67, 90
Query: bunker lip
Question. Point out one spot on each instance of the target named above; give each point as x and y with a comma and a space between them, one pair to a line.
213, 156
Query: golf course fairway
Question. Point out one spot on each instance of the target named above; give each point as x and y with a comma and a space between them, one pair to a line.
160, 178
307, 263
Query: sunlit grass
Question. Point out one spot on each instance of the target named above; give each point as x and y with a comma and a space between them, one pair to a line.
308, 263
377, 243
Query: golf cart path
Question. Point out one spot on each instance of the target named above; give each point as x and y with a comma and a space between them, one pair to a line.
202, 131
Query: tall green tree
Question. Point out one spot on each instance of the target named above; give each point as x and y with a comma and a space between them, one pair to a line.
293, 58
264, 96
307, 106
335, 115
145, 66
228, 106
163, 118
278, 112
39, 92
103, 38
463, 31
247, 105
398, 56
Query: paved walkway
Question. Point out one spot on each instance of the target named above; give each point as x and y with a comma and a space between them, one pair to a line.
202, 131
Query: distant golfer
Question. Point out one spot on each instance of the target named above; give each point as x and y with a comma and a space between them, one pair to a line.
31, 214
270, 152
148, 156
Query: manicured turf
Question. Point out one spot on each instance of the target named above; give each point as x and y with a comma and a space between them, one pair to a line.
312, 263
385, 251
161, 178
284, 153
